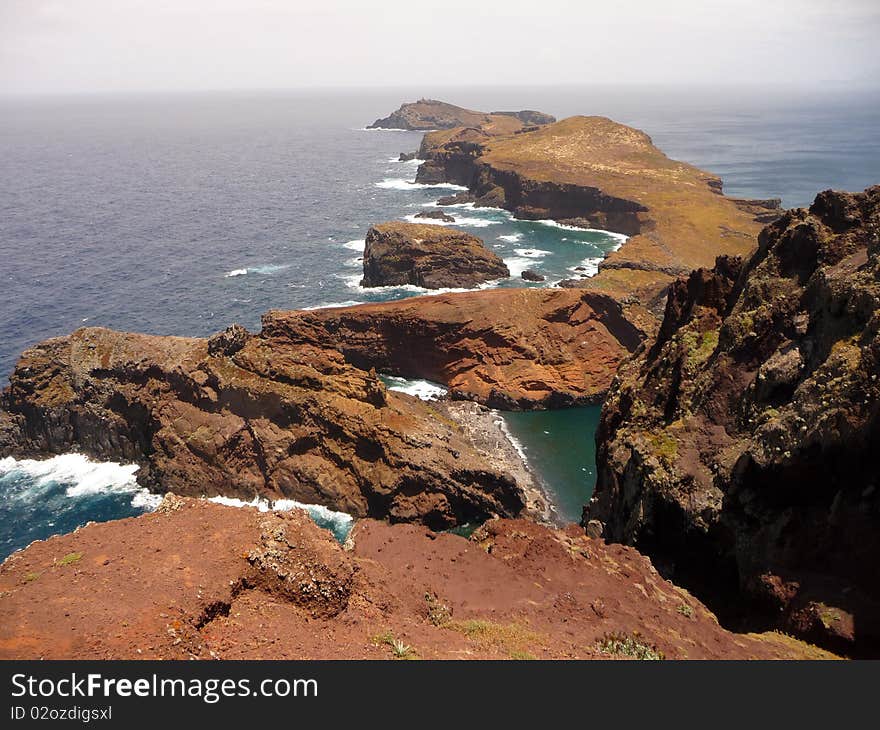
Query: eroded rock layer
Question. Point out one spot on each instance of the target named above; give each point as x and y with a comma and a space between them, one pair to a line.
507, 348
245, 416
199, 580
742, 445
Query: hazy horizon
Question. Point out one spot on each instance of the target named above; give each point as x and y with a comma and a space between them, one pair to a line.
135, 46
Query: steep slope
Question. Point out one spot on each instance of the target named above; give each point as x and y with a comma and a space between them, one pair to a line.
740, 448
198, 580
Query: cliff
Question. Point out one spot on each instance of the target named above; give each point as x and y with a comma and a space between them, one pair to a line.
507, 348
429, 256
199, 580
247, 416
738, 450
428, 114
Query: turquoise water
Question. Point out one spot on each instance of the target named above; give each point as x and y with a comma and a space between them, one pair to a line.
560, 447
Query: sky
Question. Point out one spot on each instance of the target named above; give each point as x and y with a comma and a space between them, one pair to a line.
73, 46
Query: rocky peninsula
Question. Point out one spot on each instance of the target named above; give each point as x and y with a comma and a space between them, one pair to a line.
429, 256
596, 173
428, 114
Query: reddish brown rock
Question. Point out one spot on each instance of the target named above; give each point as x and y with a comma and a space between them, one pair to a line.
507, 348
246, 416
199, 580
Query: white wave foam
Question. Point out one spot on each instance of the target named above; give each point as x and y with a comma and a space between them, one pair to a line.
332, 305
356, 261
391, 129
565, 227
514, 441
511, 237
424, 389
357, 245
415, 161
84, 476
460, 221
517, 265
353, 281
390, 183
264, 269
589, 265
532, 253
339, 523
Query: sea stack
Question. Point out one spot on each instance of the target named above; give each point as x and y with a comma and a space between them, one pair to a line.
429, 256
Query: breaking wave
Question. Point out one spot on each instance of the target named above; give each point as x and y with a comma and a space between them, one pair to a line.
424, 389
395, 183
339, 523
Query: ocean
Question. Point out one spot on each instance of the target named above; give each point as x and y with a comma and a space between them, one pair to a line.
182, 213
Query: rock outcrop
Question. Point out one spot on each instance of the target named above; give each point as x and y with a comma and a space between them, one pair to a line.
530, 117
437, 215
429, 256
739, 449
429, 114
249, 415
196, 580
506, 348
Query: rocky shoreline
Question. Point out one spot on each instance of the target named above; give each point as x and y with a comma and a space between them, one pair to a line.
740, 412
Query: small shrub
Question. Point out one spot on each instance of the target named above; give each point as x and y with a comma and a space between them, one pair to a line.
31, 577
685, 610
438, 613
399, 650
629, 645
70, 558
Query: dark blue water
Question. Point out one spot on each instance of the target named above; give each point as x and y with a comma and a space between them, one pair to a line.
132, 212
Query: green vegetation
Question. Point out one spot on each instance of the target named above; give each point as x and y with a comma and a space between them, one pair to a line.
399, 650
31, 577
70, 558
629, 645
664, 447
699, 346
685, 610
511, 639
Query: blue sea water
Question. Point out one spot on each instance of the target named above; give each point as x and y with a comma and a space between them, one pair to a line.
179, 214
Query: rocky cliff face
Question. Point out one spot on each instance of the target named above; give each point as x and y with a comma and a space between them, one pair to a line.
196, 580
740, 448
430, 256
247, 416
507, 348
